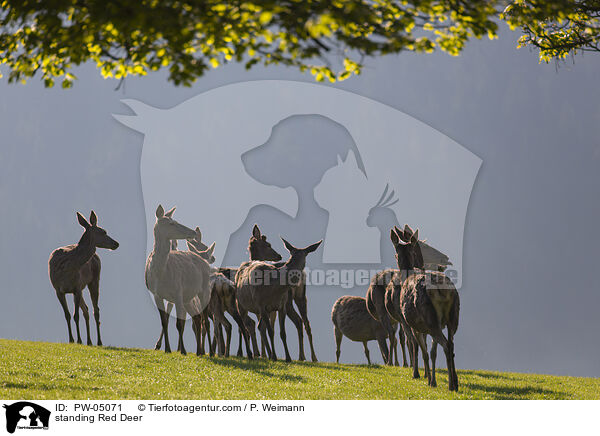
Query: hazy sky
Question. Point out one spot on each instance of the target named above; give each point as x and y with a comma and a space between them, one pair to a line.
530, 296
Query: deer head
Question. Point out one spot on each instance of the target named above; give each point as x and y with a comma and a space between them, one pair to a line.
207, 254
97, 235
260, 248
377, 214
200, 247
408, 250
297, 258
166, 227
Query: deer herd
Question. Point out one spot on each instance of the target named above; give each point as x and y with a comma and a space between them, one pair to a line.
410, 301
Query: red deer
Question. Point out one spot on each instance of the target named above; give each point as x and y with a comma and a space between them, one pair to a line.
204, 252
73, 267
180, 277
260, 249
263, 288
222, 299
424, 303
351, 319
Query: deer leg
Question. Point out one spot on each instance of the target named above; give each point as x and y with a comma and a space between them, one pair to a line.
387, 325
433, 354
86, 317
337, 333
77, 298
160, 338
448, 348
262, 327
423, 345
295, 318
402, 338
381, 340
240, 353
217, 340
228, 333
251, 327
197, 325
202, 334
395, 350
271, 332
283, 335
412, 346
94, 288
223, 321
425, 354
243, 332
272, 323
164, 320
206, 323
63, 302
367, 352
451, 351
180, 327
301, 302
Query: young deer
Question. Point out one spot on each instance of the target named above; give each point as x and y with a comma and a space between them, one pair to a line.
351, 319
424, 303
73, 267
263, 288
181, 277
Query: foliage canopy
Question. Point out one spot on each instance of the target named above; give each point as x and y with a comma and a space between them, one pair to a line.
328, 38
190, 36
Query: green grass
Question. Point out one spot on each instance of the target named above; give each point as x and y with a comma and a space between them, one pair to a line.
36, 370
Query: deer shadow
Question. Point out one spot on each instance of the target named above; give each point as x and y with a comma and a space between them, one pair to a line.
258, 366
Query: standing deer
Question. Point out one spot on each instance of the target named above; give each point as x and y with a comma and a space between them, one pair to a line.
73, 267
204, 252
180, 277
424, 303
351, 319
259, 249
263, 288
223, 299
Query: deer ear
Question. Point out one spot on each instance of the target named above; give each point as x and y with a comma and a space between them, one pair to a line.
191, 247
198, 234
256, 231
394, 236
211, 249
415, 237
312, 247
83, 221
289, 246
160, 212
93, 219
169, 214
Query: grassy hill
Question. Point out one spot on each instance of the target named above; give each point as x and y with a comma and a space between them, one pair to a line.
36, 370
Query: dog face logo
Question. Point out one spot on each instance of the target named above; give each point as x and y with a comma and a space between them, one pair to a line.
306, 162
26, 415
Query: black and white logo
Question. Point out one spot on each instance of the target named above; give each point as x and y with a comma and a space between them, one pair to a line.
26, 415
